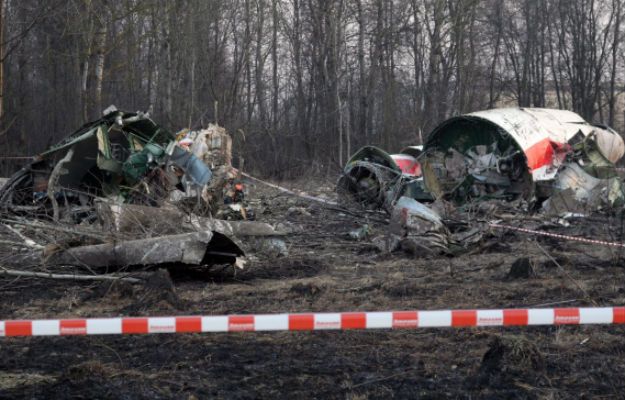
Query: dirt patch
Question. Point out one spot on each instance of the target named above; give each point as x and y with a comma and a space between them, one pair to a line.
280, 268
522, 268
325, 272
157, 293
307, 289
511, 353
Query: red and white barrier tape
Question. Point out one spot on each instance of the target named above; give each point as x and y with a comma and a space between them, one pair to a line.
316, 321
557, 236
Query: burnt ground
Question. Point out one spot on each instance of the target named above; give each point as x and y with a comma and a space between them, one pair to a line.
325, 271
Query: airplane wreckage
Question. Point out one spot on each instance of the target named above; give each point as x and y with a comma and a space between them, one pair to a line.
123, 191
134, 194
543, 160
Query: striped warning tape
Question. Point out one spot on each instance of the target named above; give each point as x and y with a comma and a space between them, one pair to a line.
316, 321
558, 236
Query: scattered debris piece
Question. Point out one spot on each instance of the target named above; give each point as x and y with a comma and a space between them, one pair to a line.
197, 248
305, 289
387, 243
359, 233
271, 247
421, 230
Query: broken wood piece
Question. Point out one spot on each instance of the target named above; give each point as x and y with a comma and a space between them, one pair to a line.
27, 241
57, 171
77, 277
82, 231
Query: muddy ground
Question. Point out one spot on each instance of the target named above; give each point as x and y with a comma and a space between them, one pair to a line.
326, 271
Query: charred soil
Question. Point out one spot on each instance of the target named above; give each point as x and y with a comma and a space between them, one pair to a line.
329, 270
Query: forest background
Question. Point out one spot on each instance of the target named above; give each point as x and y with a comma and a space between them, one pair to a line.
302, 84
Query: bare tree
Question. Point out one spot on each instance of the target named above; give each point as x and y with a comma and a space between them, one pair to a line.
305, 81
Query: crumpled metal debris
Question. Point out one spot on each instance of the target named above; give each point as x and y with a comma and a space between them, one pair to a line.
132, 179
195, 248
528, 153
419, 228
224, 196
377, 179
124, 156
236, 237
550, 160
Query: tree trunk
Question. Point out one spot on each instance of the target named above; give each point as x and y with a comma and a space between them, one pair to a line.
362, 83
274, 60
1, 61
616, 9
260, 65
100, 44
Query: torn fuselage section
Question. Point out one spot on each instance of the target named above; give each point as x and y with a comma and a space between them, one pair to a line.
516, 159
530, 154
468, 158
528, 151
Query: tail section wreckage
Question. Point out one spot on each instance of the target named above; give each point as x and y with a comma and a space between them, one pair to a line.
544, 160
527, 153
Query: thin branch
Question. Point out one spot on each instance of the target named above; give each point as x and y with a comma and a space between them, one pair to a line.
76, 277
576, 283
